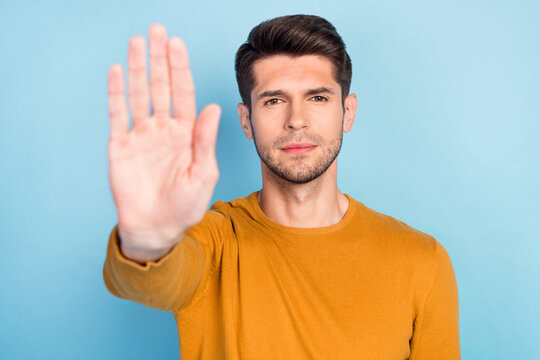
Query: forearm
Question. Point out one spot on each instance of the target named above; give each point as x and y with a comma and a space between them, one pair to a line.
165, 284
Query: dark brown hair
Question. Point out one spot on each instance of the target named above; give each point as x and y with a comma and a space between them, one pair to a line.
293, 35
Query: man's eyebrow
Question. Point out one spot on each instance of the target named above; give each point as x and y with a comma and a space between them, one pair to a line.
268, 93
318, 90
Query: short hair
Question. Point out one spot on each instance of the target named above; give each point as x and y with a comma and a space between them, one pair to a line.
293, 35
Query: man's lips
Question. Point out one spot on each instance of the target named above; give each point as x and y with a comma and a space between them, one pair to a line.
298, 148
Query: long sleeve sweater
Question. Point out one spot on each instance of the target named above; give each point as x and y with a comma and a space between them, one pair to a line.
241, 286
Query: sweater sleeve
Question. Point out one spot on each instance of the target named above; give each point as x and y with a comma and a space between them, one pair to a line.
436, 329
176, 279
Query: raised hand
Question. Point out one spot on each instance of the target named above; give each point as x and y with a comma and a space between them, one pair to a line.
163, 171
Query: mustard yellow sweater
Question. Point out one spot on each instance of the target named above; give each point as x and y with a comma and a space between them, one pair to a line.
241, 286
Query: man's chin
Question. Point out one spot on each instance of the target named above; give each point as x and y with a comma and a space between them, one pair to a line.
294, 176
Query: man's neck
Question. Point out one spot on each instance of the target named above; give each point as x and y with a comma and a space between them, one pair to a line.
318, 203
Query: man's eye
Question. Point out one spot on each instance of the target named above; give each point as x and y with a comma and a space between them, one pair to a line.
272, 102
319, 98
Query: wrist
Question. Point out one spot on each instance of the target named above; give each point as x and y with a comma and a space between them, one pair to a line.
144, 246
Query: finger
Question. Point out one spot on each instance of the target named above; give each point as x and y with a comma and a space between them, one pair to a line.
117, 102
159, 71
137, 82
204, 164
183, 90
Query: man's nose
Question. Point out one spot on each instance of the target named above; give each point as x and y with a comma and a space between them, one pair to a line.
296, 118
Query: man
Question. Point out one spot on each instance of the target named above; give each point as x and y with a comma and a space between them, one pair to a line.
297, 270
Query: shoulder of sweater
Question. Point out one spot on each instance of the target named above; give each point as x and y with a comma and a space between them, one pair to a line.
229, 209
399, 235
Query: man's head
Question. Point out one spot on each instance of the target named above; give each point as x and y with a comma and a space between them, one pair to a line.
294, 76
293, 35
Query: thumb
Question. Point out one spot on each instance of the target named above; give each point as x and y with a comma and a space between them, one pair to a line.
204, 142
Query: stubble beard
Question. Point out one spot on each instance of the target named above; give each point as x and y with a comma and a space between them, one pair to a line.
300, 172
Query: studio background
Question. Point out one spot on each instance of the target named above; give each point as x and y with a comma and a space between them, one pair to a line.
445, 139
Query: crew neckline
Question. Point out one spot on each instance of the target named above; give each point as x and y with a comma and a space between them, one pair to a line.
305, 231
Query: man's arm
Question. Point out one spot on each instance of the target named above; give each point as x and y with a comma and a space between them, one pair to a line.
436, 329
165, 284
171, 282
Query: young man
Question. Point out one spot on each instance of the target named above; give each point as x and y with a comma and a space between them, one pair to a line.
297, 270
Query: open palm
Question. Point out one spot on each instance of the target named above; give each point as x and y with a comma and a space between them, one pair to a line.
163, 171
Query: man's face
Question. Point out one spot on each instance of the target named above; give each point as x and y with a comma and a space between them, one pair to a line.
297, 117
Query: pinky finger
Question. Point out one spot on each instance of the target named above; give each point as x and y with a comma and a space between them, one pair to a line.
117, 102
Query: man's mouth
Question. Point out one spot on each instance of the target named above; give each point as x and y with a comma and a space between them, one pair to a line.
298, 148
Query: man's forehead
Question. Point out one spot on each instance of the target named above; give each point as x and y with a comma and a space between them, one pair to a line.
306, 71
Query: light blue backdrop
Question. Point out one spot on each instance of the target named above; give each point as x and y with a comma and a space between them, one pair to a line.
446, 140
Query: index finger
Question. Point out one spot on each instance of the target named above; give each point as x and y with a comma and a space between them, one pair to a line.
183, 90
117, 102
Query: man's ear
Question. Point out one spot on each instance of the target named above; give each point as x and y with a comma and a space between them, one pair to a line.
243, 114
351, 103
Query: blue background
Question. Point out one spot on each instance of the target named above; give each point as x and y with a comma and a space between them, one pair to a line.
445, 139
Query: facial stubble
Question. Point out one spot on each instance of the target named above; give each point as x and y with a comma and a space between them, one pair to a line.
300, 172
